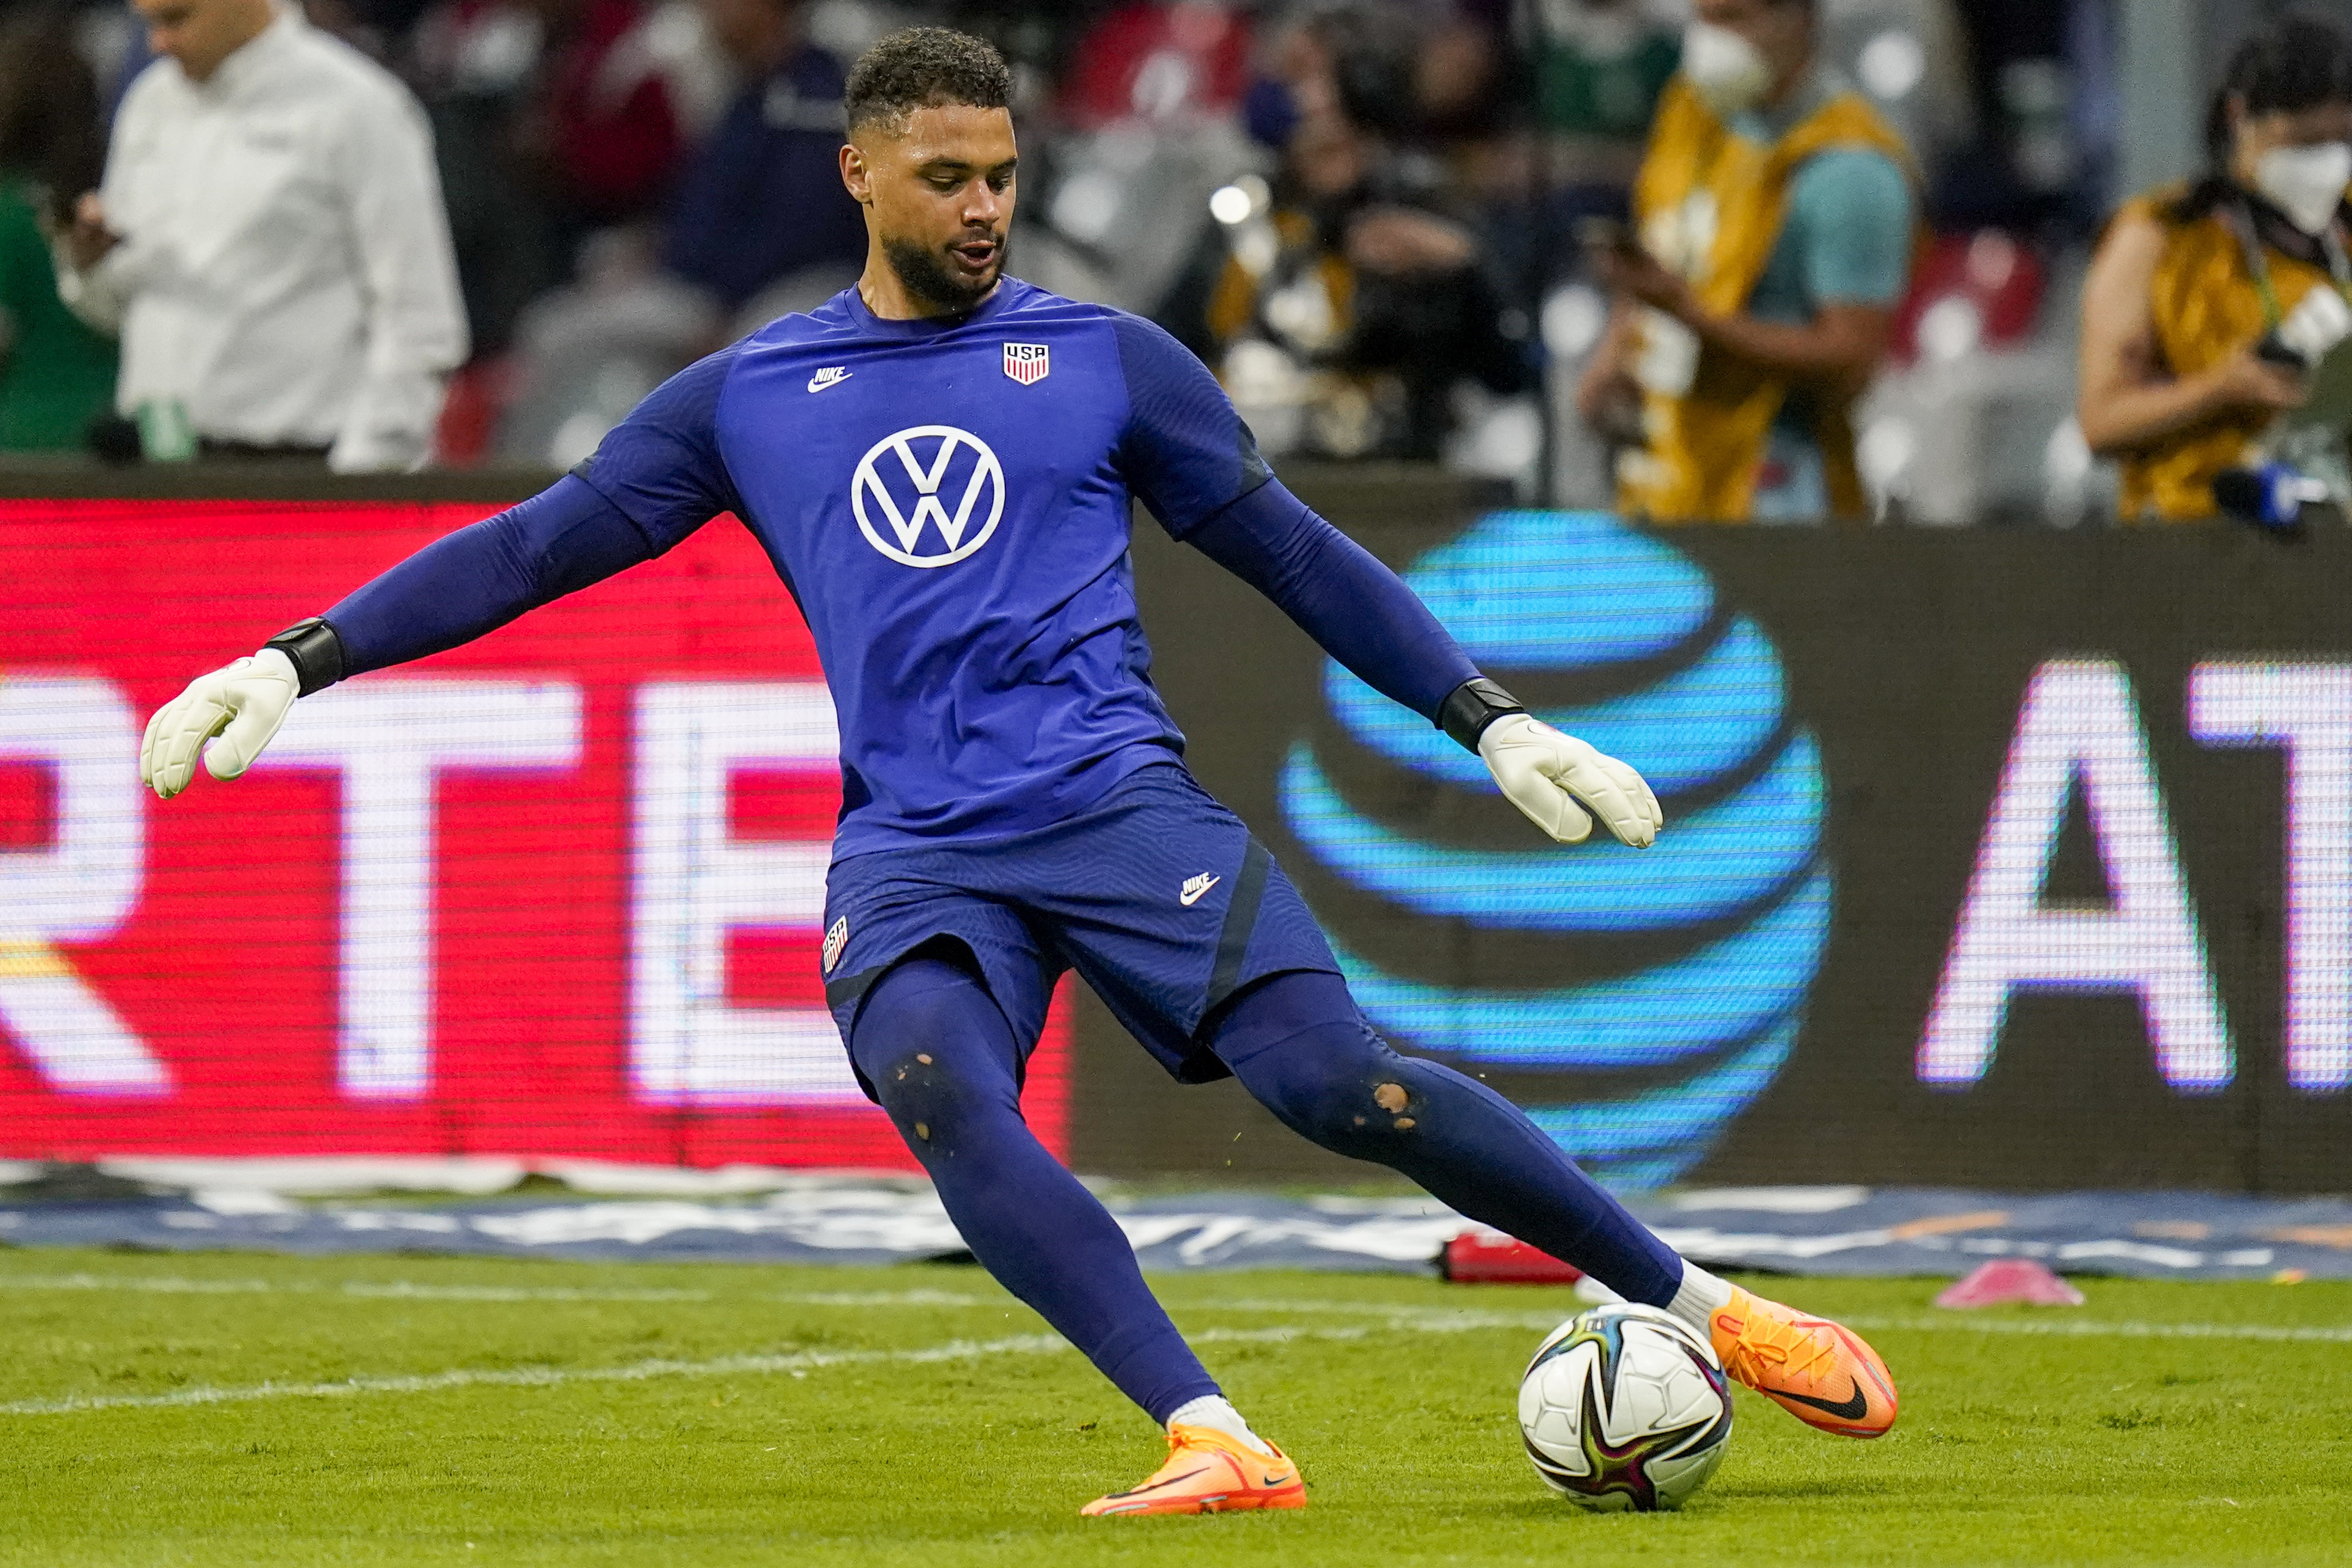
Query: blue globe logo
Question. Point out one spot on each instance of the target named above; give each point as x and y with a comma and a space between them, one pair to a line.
1635, 1001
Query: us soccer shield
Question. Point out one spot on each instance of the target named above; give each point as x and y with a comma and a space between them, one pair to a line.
1027, 363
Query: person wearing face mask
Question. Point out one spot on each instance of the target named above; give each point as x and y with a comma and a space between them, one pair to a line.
1776, 214
2189, 280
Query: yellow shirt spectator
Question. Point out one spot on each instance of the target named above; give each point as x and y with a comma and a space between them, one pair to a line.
2188, 280
1736, 348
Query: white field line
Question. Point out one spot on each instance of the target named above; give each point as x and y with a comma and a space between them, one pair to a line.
407, 1290
892, 1299
1404, 1316
1427, 1319
1440, 1318
798, 1364
1391, 1315
358, 1290
2324, 1334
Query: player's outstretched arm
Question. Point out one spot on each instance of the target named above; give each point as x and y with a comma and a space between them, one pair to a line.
657, 477
451, 592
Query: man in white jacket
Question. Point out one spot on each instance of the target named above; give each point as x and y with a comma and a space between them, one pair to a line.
269, 243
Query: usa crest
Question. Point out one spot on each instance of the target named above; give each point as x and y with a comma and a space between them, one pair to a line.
1027, 363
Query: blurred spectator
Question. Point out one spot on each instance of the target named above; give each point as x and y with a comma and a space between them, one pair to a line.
586, 353
477, 66
1777, 217
761, 203
1341, 304
1457, 76
111, 36
628, 89
1154, 62
629, 85
56, 374
1119, 161
269, 243
2190, 276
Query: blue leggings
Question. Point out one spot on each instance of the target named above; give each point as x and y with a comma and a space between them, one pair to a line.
945, 1066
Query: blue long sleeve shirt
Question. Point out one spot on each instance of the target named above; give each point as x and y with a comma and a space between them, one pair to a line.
949, 503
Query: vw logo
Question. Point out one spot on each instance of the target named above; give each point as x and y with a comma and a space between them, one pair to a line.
907, 461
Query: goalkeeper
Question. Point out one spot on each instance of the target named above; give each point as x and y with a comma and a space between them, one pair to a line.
939, 462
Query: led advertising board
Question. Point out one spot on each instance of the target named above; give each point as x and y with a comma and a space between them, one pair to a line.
1997, 859
556, 892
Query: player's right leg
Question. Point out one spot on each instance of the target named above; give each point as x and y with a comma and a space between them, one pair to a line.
1196, 941
944, 1063
1298, 1044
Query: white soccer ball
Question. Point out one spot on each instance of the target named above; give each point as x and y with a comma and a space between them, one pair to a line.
1624, 1408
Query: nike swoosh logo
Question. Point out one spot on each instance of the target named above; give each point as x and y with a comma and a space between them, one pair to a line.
1171, 1480
1275, 1481
1853, 1409
1192, 895
821, 380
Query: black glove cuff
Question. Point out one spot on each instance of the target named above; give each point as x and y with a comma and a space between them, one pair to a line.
316, 651
1474, 705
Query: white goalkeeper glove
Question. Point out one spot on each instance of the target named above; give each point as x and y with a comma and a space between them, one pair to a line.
242, 704
1560, 784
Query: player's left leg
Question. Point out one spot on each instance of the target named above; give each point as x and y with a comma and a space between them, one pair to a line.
1298, 1044
944, 1064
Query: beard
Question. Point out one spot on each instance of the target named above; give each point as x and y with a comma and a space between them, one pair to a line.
923, 274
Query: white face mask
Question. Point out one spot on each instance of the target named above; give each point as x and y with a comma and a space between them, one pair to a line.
2307, 183
1726, 71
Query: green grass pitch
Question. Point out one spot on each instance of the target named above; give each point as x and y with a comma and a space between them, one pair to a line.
246, 1409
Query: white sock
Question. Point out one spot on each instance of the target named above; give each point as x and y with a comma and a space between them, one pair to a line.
1701, 1293
1214, 1411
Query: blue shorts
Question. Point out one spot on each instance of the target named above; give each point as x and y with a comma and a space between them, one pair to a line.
1156, 895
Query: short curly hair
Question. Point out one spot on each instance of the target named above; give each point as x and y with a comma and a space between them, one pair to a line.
924, 67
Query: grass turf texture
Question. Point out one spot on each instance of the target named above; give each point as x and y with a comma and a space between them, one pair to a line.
577, 1413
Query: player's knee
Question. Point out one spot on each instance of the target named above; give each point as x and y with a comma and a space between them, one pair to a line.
1388, 1108
1343, 1088
1373, 1120
924, 1045
929, 1103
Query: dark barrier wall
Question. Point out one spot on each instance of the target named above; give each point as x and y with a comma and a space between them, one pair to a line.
2010, 858
2018, 859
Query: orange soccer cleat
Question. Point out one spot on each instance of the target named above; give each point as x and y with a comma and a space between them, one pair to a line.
1209, 1472
1820, 1372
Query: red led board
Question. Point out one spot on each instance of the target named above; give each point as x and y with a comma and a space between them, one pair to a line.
556, 892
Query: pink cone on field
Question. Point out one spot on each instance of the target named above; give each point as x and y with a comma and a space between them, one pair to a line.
2010, 1279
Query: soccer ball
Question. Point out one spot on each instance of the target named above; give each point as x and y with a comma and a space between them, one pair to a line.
1624, 1408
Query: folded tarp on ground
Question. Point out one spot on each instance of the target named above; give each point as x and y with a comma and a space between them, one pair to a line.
1832, 1230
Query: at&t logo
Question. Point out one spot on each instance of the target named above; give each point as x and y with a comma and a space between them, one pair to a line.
915, 466
1635, 1001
